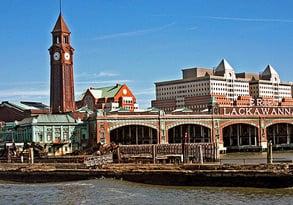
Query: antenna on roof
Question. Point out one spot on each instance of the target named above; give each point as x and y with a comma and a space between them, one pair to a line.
60, 6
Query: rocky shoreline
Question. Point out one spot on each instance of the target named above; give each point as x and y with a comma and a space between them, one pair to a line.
262, 176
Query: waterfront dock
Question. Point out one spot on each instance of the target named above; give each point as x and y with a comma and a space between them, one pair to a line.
263, 175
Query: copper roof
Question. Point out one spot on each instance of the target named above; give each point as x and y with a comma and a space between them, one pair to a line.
61, 26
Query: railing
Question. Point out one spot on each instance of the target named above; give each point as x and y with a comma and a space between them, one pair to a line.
196, 152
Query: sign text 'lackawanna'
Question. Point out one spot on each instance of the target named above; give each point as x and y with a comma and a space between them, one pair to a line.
287, 111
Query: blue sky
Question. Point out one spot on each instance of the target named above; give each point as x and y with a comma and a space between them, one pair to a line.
141, 41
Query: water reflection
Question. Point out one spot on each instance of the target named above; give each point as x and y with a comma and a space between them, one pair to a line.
109, 191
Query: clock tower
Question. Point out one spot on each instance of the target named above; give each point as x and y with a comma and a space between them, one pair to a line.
61, 61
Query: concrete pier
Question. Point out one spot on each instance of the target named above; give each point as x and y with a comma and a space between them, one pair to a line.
269, 176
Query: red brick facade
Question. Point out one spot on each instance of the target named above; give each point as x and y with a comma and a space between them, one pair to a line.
61, 57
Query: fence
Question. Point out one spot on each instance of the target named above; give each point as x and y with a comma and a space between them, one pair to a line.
196, 152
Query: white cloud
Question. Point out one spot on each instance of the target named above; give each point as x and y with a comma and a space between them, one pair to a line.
248, 19
106, 82
148, 91
104, 74
32, 93
192, 28
134, 33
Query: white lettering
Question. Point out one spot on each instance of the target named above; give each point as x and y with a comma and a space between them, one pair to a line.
274, 112
234, 112
265, 111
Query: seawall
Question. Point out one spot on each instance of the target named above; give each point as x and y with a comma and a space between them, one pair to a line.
268, 176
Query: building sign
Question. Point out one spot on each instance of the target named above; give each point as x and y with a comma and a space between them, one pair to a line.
258, 107
255, 111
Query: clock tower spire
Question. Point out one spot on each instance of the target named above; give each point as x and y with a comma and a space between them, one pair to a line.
61, 62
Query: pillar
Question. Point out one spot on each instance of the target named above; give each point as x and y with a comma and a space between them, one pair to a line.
151, 135
249, 135
201, 134
174, 133
188, 133
129, 132
142, 133
287, 132
194, 135
136, 134
180, 131
231, 134
123, 135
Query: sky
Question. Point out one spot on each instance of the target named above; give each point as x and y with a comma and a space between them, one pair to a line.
139, 42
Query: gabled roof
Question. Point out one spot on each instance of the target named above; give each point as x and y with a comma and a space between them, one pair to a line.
37, 105
48, 118
104, 92
60, 25
25, 105
224, 66
269, 71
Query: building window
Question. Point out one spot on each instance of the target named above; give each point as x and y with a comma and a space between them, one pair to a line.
49, 134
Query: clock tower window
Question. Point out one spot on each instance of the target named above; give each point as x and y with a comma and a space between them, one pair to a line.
65, 39
56, 40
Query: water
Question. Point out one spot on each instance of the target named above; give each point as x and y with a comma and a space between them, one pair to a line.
110, 191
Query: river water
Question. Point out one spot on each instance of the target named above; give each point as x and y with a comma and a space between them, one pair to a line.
110, 191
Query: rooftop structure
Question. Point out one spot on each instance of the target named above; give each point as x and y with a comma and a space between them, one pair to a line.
199, 84
109, 98
11, 111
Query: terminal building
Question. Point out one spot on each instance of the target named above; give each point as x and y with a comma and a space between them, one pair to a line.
199, 85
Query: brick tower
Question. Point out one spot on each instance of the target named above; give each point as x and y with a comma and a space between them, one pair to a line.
61, 59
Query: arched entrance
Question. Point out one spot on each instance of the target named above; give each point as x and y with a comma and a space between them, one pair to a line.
238, 135
195, 133
281, 133
134, 134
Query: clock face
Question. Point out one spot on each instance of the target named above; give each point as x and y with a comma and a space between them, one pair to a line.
66, 56
56, 56
124, 91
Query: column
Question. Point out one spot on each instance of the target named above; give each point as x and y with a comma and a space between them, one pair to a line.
129, 132
230, 135
249, 135
287, 132
174, 133
117, 135
194, 135
201, 134
151, 135
136, 134
255, 136
142, 133
238, 137
188, 133
180, 131
123, 135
